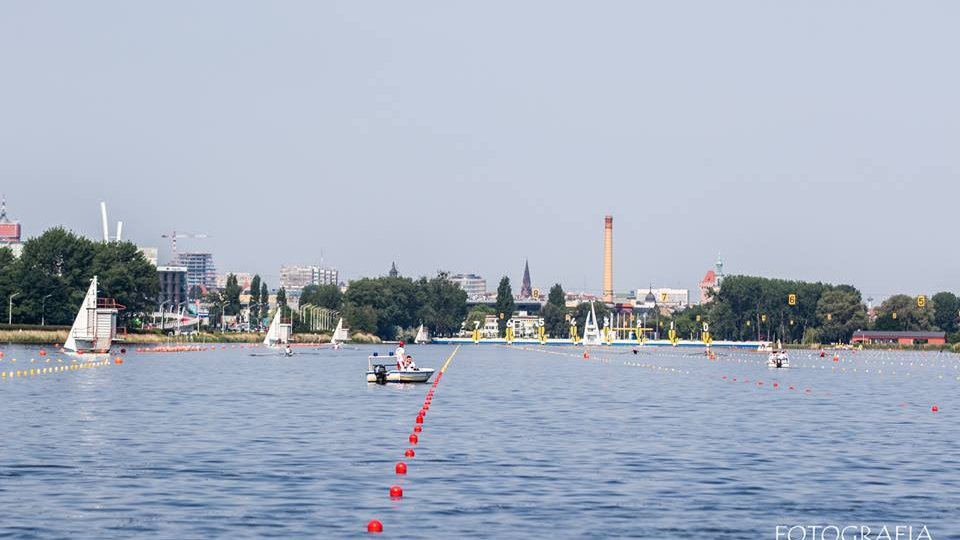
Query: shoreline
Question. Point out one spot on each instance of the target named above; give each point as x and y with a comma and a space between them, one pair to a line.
52, 337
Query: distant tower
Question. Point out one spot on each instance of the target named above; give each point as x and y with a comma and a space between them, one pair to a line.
526, 291
719, 273
608, 259
393, 269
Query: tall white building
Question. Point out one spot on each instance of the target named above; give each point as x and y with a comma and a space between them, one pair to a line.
296, 277
473, 284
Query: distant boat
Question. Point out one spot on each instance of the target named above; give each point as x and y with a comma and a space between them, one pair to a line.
95, 327
591, 332
421, 336
279, 332
340, 334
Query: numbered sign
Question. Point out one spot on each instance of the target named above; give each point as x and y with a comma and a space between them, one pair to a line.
792, 299
763, 318
894, 315
698, 318
663, 297
706, 327
536, 294
829, 316
921, 301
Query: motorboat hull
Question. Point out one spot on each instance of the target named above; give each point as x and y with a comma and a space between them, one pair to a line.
404, 376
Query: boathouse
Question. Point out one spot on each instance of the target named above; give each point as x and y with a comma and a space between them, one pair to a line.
899, 338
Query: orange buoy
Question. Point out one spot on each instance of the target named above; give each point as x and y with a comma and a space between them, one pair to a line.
401, 468
374, 526
396, 492
118, 360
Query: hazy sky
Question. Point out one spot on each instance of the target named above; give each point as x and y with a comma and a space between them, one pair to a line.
808, 140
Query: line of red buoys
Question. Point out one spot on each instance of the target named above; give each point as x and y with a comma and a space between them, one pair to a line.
396, 492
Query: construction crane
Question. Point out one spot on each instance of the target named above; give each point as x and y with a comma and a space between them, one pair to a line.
173, 240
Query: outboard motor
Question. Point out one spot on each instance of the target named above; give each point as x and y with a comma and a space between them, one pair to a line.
380, 372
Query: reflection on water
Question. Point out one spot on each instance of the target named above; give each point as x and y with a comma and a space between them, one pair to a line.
518, 444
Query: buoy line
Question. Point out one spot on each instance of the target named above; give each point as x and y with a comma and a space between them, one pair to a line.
396, 492
51, 370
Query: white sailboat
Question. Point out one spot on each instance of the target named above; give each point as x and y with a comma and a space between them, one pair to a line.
340, 334
421, 336
591, 332
95, 327
279, 332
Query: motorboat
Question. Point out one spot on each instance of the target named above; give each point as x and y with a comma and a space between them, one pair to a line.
382, 373
778, 360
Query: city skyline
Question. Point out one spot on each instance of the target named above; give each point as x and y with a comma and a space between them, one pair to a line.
480, 153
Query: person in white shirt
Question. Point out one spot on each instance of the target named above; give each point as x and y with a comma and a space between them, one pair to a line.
401, 355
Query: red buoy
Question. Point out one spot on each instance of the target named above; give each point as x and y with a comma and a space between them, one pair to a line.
934, 409
417, 428
775, 385
409, 453
396, 492
374, 526
413, 438
419, 419
401, 468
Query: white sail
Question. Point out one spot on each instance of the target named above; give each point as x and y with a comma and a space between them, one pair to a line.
591, 333
273, 332
421, 336
340, 334
85, 319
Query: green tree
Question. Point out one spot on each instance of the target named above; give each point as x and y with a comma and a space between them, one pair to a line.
254, 300
555, 312
282, 302
444, 305
908, 315
326, 296
361, 318
946, 311
839, 313
396, 302
479, 315
123, 273
9, 277
505, 305
55, 265
231, 294
264, 303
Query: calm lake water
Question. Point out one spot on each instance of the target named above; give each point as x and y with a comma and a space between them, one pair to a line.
519, 443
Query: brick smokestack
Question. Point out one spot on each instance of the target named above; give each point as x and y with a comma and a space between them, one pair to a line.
608, 259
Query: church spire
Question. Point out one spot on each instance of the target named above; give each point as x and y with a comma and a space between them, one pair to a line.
526, 290
393, 269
